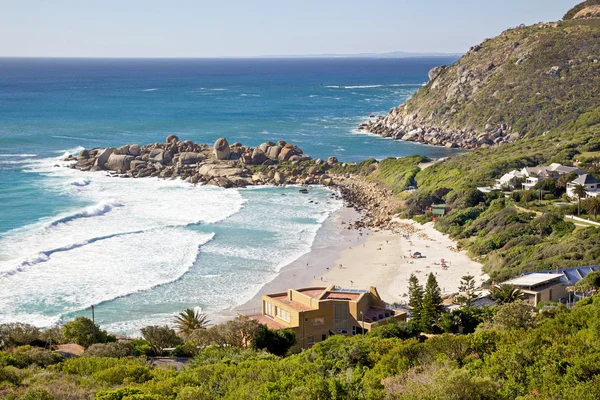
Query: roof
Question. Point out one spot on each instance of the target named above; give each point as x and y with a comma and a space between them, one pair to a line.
284, 299
535, 278
314, 293
564, 169
510, 175
573, 275
585, 179
439, 206
269, 322
341, 296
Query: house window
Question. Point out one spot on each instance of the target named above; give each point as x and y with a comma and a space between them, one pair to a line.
311, 340
268, 309
316, 321
550, 295
341, 318
324, 337
353, 331
282, 314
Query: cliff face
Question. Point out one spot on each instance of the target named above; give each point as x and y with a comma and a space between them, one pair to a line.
522, 83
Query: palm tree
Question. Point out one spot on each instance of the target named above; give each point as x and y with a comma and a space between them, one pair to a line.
190, 320
580, 192
592, 206
504, 294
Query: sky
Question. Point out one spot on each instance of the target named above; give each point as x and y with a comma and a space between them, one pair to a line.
246, 28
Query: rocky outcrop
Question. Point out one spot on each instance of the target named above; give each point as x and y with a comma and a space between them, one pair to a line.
220, 165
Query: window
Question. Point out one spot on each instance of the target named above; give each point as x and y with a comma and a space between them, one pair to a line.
324, 337
317, 321
341, 317
311, 340
268, 309
353, 331
282, 314
550, 295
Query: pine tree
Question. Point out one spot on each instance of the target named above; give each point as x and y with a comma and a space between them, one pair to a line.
415, 298
432, 304
466, 291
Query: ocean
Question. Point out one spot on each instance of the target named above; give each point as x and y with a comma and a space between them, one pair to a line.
142, 250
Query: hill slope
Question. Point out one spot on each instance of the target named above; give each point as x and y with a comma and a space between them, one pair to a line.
521, 84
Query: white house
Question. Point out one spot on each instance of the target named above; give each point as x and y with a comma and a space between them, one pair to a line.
553, 171
591, 185
508, 180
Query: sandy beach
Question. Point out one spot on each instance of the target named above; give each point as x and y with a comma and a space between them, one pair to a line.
384, 260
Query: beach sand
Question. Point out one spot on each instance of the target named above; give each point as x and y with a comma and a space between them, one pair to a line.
384, 261
381, 259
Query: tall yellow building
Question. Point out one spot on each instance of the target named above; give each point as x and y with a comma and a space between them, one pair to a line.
316, 313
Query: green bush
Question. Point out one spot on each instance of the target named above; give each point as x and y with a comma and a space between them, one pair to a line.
117, 350
38, 394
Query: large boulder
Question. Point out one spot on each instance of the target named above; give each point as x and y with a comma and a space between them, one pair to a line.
103, 156
436, 71
188, 158
118, 162
273, 152
258, 156
279, 178
159, 156
332, 160
172, 139
222, 150
134, 150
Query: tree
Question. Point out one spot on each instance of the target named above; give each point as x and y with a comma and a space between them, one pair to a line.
590, 282
83, 332
160, 337
415, 298
516, 315
190, 320
432, 304
504, 294
466, 291
276, 342
239, 333
566, 178
592, 206
580, 192
18, 334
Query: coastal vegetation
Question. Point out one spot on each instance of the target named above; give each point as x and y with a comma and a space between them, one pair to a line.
512, 353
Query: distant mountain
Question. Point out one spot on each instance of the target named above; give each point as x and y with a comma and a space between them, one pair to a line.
393, 54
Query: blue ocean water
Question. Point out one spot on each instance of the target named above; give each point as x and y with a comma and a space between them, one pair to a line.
143, 250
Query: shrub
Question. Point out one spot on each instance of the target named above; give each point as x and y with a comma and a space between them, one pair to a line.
38, 394
117, 350
118, 394
18, 334
277, 342
160, 337
25, 356
83, 332
400, 330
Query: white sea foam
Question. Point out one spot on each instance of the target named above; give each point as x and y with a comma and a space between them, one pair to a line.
81, 182
104, 270
150, 90
18, 155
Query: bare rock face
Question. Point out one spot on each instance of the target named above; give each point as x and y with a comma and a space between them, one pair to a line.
189, 158
134, 150
436, 71
273, 152
172, 139
118, 162
103, 157
332, 160
222, 150
258, 156
279, 178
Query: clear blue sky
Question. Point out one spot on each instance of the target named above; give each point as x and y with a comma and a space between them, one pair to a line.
199, 28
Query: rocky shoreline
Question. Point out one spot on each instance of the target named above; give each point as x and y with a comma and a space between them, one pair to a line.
240, 166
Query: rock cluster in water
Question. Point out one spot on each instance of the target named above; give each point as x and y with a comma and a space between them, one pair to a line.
221, 165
